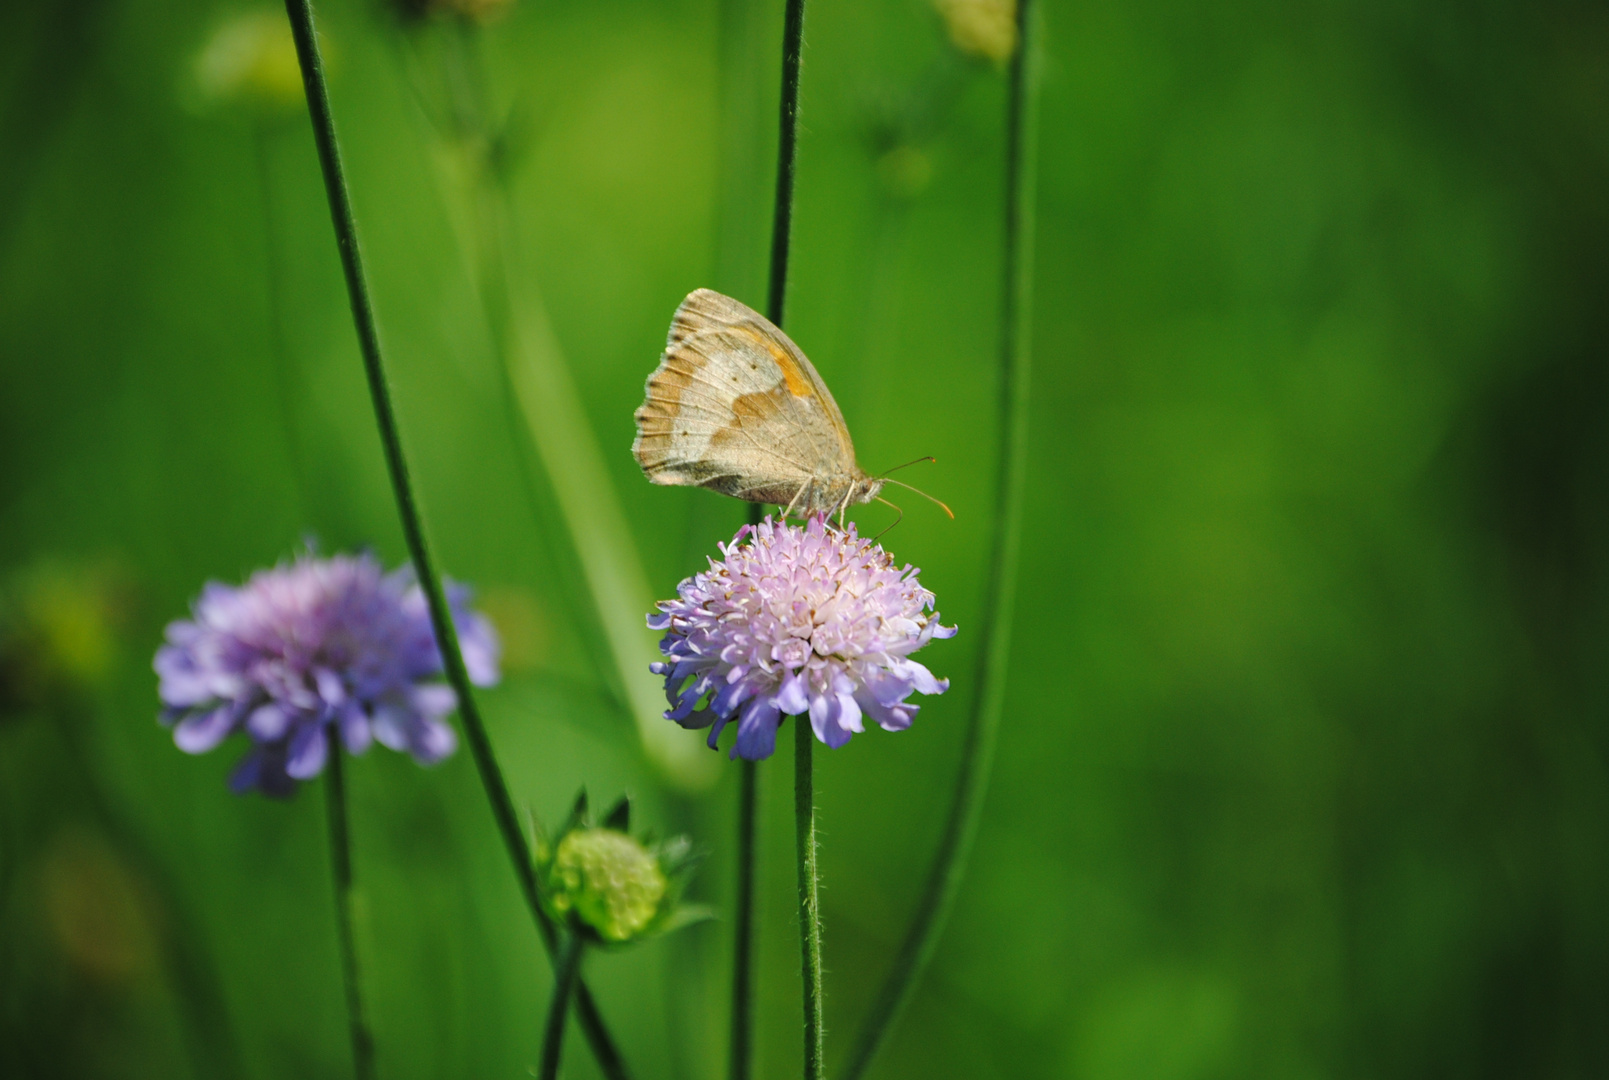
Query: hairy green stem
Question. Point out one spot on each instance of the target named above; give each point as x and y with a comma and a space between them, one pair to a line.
341, 865
804, 805
323, 121
748, 800
566, 972
804, 815
742, 1044
977, 751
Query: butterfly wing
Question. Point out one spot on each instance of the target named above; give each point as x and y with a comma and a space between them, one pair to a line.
735, 406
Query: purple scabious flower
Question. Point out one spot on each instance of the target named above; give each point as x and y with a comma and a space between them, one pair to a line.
800, 619
309, 649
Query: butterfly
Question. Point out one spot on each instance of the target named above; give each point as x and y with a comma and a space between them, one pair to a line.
735, 406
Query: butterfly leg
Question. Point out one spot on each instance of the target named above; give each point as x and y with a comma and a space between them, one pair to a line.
795, 500
843, 506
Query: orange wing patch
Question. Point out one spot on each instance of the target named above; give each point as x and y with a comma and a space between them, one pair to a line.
798, 383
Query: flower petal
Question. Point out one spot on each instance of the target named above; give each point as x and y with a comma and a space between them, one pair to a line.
390, 725
269, 722
356, 733
793, 696
433, 741
201, 732
757, 731
309, 748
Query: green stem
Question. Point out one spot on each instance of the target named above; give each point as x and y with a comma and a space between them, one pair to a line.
566, 972
977, 752
543, 400
341, 864
323, 121
742, 1051
742, 1060
804, 807
804, 815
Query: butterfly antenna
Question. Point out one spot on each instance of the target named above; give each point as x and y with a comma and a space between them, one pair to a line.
897, 520
924, 495
914, 461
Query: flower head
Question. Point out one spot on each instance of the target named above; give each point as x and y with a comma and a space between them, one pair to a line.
310, 649
800, 619
609, 886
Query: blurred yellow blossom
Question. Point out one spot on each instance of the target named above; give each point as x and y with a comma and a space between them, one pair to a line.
97, 909
986, 28
251, 58
59, 625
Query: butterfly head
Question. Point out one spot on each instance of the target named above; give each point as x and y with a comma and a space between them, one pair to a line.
863, 489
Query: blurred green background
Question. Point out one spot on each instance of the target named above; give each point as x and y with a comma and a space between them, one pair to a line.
1303, 768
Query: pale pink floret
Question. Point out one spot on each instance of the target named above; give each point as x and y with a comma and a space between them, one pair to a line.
799, 619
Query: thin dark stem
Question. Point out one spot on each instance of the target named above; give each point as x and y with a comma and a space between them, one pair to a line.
977, 752
341, 865
743, 926
566, 973
508, 824
787, 146
804, 815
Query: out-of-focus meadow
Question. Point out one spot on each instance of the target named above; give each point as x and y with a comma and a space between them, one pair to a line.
1303, 767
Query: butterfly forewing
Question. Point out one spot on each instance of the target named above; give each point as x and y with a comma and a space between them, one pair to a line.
736, 406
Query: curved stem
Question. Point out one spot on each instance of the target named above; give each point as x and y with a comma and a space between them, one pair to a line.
323, 121
566, 972
977, 753
341, 864
549, 425
804, 812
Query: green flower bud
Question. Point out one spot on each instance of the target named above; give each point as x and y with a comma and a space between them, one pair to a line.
608, 886
611, 882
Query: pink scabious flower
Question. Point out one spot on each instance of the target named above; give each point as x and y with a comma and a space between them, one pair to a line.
309, 650
800, 619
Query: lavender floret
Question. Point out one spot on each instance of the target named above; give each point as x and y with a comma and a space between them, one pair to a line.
798, 620
310, 649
